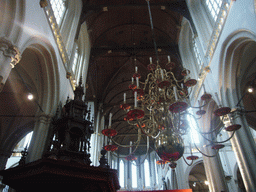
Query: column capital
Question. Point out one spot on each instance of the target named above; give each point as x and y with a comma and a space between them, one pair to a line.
44, 118
10, 50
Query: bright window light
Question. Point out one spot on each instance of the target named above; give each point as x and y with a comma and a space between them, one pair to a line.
214, 7
134, 175
58, 7
121, 174
193, 126
75, 60
197, 53
147, 174
156, 173
28, 139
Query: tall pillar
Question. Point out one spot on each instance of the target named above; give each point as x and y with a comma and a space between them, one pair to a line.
39, 138
245, 150
214, 170
9, 57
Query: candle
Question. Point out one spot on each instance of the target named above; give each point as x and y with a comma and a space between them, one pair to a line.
130, 147
136, 69
110, 119
175, 93
169, 59
135, 99
162, 74
150, 59
124, 97
137, 82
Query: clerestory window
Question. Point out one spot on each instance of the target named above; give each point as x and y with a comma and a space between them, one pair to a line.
58, 7
134, 175
197, 53
147, 174
213, 7
121, 174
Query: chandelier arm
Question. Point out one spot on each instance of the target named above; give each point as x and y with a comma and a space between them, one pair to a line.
204, 153
202, 133
145, 157
127, 146
226, 139
189, 164
199, 106
148, 134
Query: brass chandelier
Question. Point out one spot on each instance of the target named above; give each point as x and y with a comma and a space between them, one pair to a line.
160, 110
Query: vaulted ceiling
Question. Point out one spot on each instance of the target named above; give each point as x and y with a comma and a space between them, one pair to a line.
120, 31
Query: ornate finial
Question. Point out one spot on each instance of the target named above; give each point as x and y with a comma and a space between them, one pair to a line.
103, 161
79, 92
80, 81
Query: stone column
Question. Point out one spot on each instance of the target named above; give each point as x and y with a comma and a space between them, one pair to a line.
214, 170
245, 150
39, 138
9, 57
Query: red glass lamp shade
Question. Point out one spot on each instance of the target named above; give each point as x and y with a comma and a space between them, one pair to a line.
183, 92
170, 65
185, 72
140, 93
178, 107
109, 132
222, 111
218, 146
125, 106
132, 86
128, 119
190, 82
162, 162
131, 158
135, 114
136, 75
206, 96
110, 147
192, 157
163, 84
151, 67
233, 127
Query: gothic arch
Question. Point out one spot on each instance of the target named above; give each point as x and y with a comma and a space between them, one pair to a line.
230, 64
202, 22
233, 71
186, 49
12, 17
189, 168
48, 85
70, 23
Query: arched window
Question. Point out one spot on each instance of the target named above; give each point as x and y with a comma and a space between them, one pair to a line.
121, 174
156, 173
16, 155
197, 53
147, 174
193, 127
213, 7
58, 7
134, 175
75, 60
